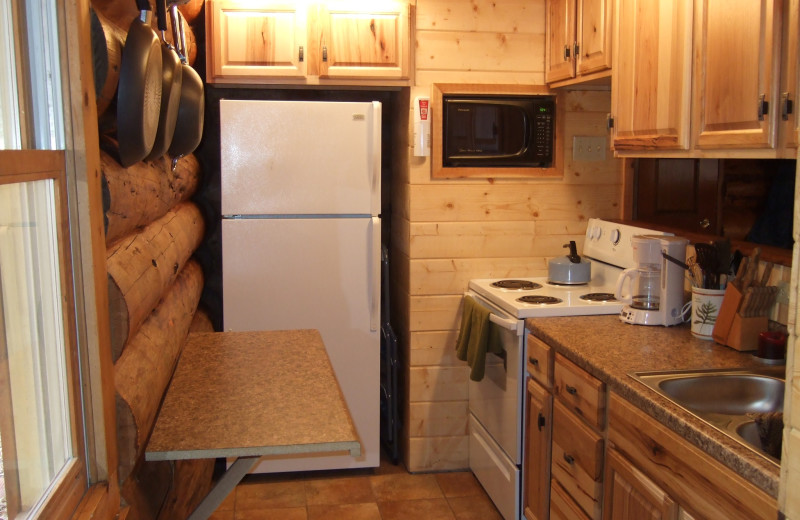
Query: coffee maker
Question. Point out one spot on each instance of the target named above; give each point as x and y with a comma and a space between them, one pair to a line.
655, 286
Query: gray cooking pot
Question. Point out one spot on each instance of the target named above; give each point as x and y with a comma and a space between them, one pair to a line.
570, 269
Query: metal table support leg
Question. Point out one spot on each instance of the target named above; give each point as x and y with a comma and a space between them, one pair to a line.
223, 487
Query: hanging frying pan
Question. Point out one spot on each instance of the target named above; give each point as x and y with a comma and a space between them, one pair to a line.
191, 110
171, 79
139, 94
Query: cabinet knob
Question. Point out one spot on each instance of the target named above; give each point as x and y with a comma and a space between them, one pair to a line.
325, 53
540, 422
566, 52
763, 107
571, 390
300, 54
705, 223
569, 459
533, 361
787, 106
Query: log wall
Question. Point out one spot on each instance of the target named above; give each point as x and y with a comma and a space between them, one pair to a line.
153, 229
448, 231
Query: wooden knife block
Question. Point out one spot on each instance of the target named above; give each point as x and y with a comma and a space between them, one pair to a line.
734, 330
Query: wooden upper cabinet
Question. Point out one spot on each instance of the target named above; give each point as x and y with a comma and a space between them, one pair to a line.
594, 36
578, 40
254, 38
651, 80
250, 41
560, 62
737, 63
359, 43
789, 124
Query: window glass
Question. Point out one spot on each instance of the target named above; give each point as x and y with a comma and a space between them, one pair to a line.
36, 434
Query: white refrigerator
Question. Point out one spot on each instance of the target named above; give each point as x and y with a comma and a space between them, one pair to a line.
301, 243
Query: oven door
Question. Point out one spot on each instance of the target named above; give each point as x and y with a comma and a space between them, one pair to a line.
497, 400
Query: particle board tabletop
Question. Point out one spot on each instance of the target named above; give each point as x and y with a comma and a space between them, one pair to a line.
245, 394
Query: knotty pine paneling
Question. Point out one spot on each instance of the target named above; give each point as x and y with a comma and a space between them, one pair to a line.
441, 453
433, 348
445, 232
515, 16
438, 418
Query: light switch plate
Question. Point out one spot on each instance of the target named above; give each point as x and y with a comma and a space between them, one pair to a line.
588, 148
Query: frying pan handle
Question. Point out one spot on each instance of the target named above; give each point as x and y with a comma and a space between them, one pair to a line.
177, 26
161, 16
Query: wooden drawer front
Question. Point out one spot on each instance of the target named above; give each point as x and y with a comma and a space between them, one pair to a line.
577, 459
585, 395
562, 507
691, 477
540, 361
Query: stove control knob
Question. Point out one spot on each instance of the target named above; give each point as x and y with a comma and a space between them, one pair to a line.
615, 236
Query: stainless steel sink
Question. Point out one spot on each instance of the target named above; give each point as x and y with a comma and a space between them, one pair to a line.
725, 399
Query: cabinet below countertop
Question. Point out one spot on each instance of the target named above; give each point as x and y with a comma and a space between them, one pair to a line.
610, 350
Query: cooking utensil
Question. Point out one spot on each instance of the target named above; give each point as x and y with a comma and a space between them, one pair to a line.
139, 92
171, 76
570, 269
706, 255
191, 108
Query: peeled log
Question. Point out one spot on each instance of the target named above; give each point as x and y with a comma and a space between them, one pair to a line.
142, 373
145, 191
190, 484
142, 266
107, 60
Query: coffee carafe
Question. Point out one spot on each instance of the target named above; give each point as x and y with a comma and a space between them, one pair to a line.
654, 293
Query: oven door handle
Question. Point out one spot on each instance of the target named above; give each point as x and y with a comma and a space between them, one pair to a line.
514, 325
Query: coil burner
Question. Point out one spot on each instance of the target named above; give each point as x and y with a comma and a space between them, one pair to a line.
518, 285
599, 297
540, 300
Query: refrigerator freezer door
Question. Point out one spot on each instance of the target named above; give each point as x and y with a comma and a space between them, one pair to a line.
300, 157
313, 274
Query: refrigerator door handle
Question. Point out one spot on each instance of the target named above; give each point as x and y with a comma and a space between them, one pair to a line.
375, 275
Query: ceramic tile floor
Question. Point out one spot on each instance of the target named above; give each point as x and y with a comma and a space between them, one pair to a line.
385, 493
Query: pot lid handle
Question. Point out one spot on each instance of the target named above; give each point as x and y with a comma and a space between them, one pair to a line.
573, 252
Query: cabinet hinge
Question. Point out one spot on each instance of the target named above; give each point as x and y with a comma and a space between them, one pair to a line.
540, 421
763, 107
300, 54
566, 52
609, 122
787, 106
325, 53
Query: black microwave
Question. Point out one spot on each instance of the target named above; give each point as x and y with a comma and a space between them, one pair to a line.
490, 131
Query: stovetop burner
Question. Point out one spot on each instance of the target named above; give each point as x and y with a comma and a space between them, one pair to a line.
545, 300
599, 297
520, 285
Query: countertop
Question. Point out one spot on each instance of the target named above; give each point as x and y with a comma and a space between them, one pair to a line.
240, 394
609, 350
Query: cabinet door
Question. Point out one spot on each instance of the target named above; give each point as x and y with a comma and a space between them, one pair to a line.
737, 50
256, 38
651, 80
630, 495
372, 43
594, 36
562, 507
560, 38
536, 466
790, 77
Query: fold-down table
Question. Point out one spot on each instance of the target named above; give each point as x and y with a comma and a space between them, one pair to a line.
247, 394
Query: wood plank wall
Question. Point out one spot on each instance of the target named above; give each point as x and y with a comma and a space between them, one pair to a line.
445, 232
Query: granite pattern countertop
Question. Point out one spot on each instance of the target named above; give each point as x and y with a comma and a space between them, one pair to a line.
610, 350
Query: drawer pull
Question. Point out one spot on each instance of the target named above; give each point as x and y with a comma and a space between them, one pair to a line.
571, 390
569, 459
540, 422
533, 361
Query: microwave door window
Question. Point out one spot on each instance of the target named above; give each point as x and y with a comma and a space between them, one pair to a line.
484, 123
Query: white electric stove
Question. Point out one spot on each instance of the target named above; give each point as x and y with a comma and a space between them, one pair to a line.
497, 402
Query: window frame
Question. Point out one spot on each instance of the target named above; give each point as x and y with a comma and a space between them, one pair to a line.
66, 491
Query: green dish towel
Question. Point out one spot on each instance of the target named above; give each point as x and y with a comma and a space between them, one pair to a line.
476, 337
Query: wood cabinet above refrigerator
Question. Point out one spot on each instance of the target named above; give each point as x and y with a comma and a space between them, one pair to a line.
279, 42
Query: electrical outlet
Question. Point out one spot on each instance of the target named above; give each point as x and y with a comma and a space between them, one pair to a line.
588, 148
783, 293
